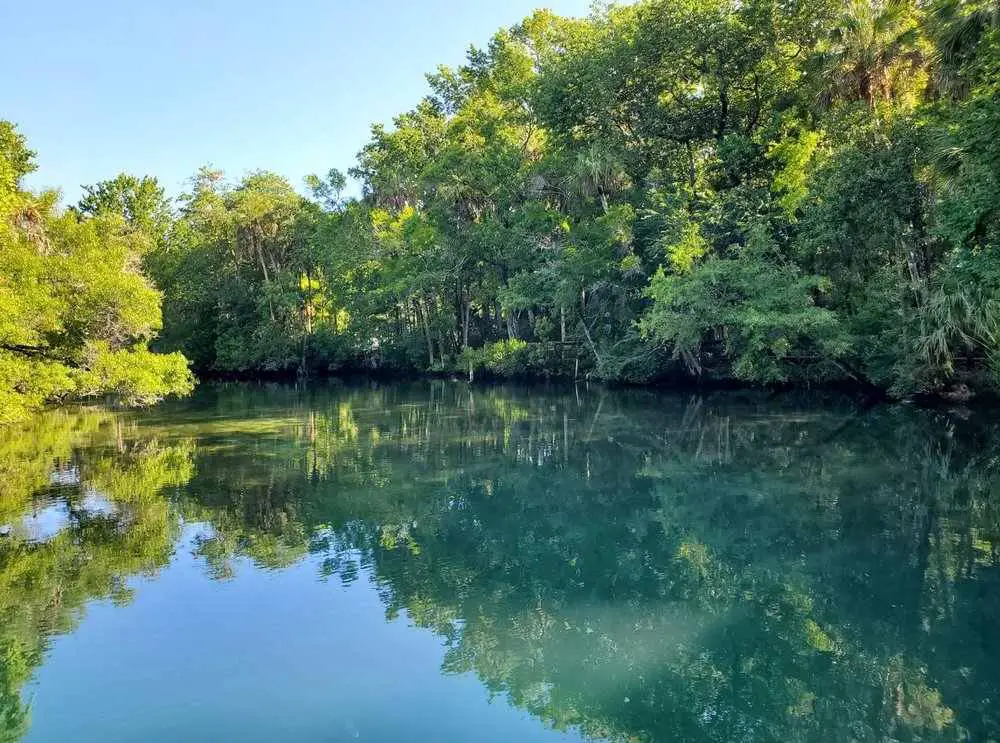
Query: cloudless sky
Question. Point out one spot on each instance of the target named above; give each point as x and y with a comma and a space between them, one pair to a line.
162, 88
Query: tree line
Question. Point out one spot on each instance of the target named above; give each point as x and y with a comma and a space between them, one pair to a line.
766, 191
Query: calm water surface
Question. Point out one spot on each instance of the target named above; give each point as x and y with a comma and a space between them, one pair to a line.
431, 562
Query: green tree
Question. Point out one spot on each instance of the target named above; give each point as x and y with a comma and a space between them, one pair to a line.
874, 51
78, 312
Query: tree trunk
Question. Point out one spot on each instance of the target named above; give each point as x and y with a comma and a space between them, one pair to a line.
258, 244
466, 318
307, 307
422, 312
459, 313
498, 318
723, 112
692, 175
586, 330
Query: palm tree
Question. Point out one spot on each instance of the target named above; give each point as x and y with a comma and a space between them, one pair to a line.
598, 172
874, 48
961, 24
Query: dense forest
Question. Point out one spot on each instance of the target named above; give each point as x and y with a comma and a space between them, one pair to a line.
763, 191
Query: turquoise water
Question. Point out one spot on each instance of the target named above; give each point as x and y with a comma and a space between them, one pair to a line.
434, 562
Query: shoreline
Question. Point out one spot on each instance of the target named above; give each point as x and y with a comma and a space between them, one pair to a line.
867, 394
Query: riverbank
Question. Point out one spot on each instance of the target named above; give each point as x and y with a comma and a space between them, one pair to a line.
866, 394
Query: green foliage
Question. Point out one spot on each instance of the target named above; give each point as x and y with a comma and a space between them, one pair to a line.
16, 160
962, 313
140, 202
76, 310
504, 358
752, 311
683, 254
875, 53
796, 156
135, 376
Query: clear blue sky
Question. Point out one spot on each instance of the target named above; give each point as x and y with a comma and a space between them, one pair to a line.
161, 88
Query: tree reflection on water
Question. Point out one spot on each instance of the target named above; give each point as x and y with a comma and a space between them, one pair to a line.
633, 565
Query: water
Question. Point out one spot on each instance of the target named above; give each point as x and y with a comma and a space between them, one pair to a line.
431, 562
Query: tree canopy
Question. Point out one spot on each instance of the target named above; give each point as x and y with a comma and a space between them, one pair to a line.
77, 311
